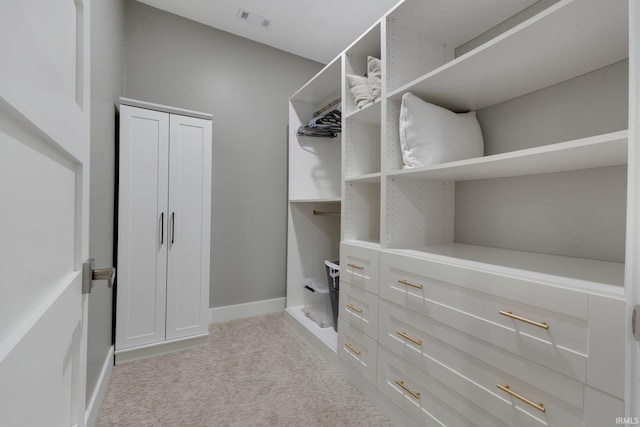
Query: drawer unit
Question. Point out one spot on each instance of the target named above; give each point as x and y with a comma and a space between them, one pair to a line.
359, 308
563, 329
357, 351
426, 400
476, 369
481, 395
360, 266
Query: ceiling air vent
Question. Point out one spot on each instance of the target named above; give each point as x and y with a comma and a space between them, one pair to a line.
253, 18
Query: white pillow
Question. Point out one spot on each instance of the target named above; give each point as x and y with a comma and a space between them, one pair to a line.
374, 74
360, 90
430, 134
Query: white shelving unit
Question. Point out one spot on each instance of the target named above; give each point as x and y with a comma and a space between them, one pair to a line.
361, 165
473, 81
411, 193
544, 221
314, 199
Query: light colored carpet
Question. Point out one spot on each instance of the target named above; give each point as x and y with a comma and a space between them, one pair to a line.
252, 372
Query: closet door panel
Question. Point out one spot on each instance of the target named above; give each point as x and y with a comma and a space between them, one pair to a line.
142, 214
189, 227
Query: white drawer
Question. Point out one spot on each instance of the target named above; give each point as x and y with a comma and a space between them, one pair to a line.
426, 400
472, 301
474, 368
359, 308
454, 399
357, 351
360, 266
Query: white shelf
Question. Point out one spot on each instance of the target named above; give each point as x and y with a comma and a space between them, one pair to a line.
371, 244
454, 22
319, 200
370, 113
322, 87
576, 273
372, 178
367, 44
586, 153
564, 41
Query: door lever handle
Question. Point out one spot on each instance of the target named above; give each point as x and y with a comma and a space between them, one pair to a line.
90, 273
108, 274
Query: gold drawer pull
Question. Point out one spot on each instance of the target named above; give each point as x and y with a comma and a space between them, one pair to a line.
406, 282
354, 308
356, 266
415, 394
413, 340
542, 325
539, 406
352, 348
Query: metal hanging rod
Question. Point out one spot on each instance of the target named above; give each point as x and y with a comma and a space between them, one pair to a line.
315, 212
326, 107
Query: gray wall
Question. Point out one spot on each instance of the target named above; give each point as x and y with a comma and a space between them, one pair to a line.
107, 36
245, 85
591, 104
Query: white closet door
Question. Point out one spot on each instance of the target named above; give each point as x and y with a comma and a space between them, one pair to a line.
142, 222
189, 227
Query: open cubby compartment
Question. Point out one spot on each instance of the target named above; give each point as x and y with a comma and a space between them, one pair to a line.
568, 224
474, 80
548, 196
355, 61
314, 167
589, 110
422, 36
361, 140
361, 210
392, 153
325, 85
314, 162
314, 236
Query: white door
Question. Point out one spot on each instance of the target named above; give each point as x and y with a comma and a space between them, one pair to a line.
189, 227
142, 227
632, 394
44, 199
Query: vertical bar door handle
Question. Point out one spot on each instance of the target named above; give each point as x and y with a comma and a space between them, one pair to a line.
635, 322
173, 227
162, 228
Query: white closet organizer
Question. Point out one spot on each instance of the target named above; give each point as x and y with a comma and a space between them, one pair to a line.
314, 199
493, 291
164, 213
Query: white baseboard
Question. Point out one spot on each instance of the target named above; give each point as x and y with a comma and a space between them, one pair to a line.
250, 309
163, 347
93, 408
324, 340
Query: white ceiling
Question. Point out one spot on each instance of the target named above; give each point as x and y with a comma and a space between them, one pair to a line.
314, 29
